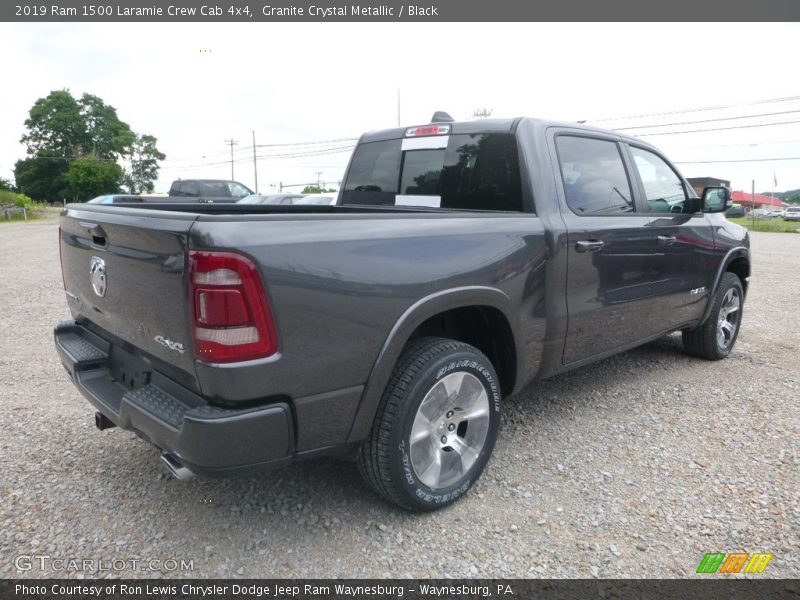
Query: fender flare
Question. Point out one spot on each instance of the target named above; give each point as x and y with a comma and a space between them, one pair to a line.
732, 254
414, 316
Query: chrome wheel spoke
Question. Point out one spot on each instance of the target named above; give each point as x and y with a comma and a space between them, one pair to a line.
464, 450
472, 394
422, 429
435, 403
453, 384
727, 328
431, 474
478, 411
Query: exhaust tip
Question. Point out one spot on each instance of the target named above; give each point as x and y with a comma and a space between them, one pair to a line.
103, 422
176, 469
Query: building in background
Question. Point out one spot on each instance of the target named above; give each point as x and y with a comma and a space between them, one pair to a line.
745, 199
698, 183
748, 200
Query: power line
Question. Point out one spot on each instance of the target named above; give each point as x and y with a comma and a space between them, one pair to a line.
718, 128
783, 112
335, 141
744, 160
303, 154
327, 151
701, 109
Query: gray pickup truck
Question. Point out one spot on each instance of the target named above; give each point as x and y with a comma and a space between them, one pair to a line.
206, 190
462, 261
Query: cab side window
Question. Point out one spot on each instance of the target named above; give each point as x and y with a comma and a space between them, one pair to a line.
594, 176
663, 189
237, 190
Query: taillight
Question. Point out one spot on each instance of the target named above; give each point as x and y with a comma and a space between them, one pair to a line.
428, 130
231, 319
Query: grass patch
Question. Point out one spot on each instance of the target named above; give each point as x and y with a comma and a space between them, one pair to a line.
36, 212
774, 225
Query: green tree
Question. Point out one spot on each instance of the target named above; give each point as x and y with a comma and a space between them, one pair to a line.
143, 172
106, 136
90, 177
5, 185
62, 129
55, 126
70, 128
43, 177
316, 189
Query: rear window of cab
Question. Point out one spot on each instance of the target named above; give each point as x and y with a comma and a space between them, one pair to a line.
460, 171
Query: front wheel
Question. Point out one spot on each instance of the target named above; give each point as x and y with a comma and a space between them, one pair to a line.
715, 338
435, 427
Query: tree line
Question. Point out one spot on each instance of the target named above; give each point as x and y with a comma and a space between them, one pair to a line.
77, 148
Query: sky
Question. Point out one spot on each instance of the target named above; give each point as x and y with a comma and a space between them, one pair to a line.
305, 90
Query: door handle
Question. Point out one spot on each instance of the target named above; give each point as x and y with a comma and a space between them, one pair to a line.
666, 240
589, 245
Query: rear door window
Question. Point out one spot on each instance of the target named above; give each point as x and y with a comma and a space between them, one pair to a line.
218, 189
463, 171
189, 188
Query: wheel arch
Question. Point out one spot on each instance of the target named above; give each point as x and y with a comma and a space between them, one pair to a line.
736, 261
467, 314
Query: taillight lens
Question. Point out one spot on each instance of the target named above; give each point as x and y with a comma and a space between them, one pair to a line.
231, 319
428, 130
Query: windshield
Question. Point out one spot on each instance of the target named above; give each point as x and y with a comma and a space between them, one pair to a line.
464, 171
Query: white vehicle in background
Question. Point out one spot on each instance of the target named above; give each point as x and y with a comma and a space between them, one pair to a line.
792, 213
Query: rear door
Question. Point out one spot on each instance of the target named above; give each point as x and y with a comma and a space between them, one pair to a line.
125, 272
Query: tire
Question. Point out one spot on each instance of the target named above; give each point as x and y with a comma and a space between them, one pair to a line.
715, 338
420, 422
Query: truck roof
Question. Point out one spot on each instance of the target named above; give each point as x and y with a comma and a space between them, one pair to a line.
493, 126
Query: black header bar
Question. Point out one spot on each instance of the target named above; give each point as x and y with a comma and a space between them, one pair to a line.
415, 11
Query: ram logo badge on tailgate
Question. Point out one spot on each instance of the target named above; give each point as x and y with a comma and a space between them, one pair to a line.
97, 272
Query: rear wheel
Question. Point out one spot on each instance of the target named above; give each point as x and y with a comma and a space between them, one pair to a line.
435, 427
715, 338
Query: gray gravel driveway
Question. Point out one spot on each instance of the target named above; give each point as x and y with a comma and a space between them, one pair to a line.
633, 467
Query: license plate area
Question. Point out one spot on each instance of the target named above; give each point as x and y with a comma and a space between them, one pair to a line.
129, 370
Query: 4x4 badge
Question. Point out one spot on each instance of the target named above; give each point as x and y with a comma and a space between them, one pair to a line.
97, 272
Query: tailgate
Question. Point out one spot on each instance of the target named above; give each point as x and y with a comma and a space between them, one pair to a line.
125, 271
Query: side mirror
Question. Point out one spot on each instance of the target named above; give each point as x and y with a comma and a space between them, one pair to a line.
716, 199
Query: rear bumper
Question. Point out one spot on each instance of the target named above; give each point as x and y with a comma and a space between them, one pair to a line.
209, 440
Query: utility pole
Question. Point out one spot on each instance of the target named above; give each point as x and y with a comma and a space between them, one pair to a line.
255, 164
753, 200
319, 187
233, 143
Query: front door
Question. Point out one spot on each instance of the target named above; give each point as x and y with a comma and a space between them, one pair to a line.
681, 242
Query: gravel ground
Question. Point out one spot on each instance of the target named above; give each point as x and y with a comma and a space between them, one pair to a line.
633, 467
